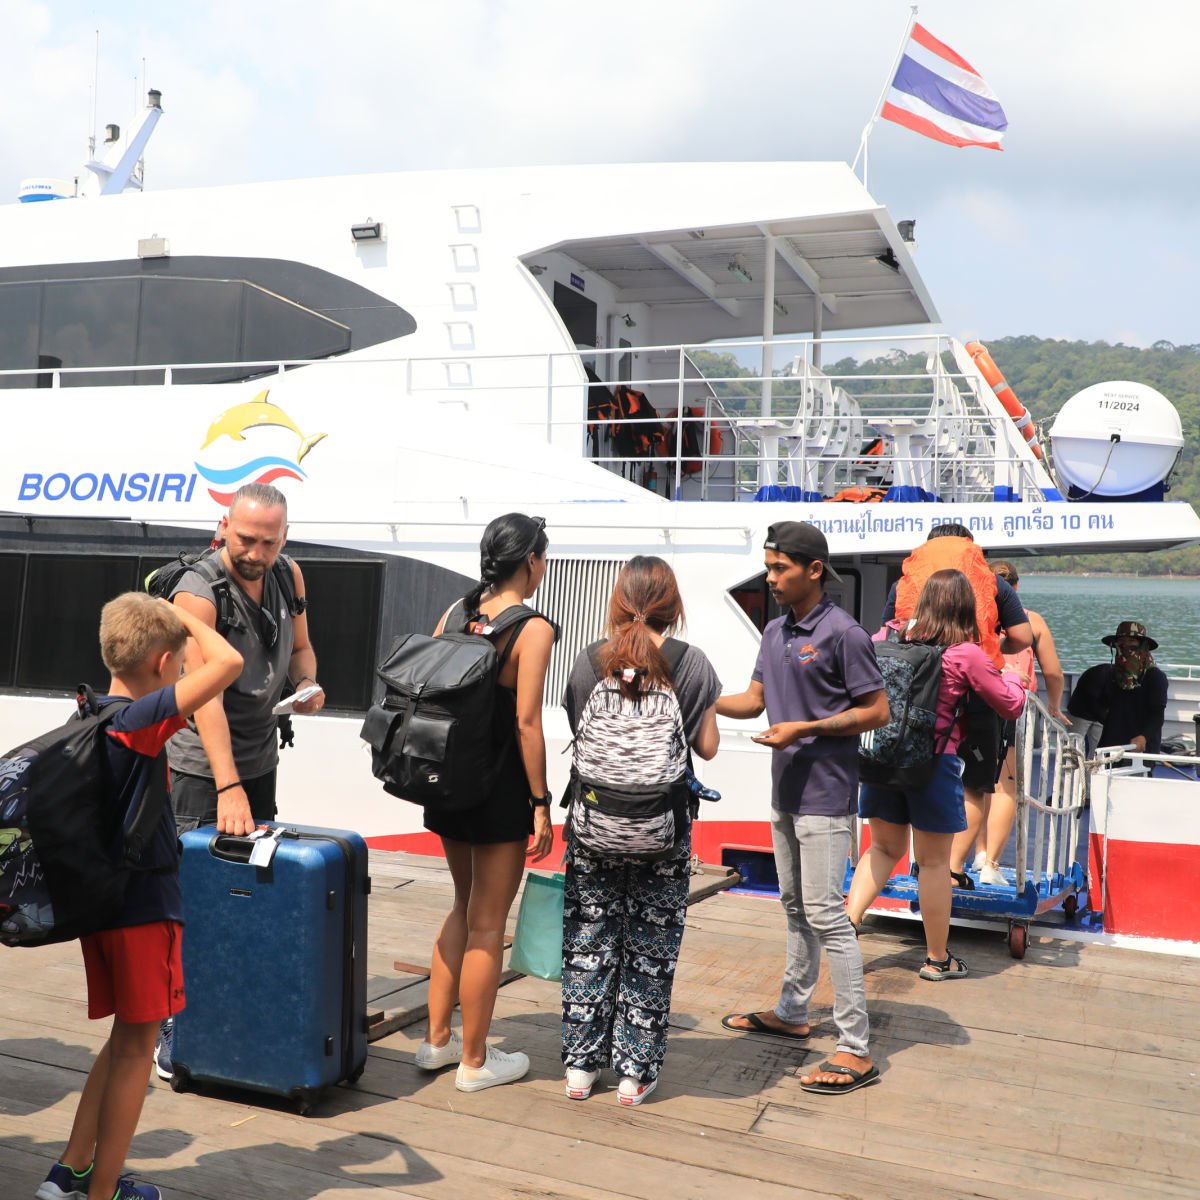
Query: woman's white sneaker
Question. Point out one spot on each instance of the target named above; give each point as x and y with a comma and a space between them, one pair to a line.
980, 862
497, 1068
991, 876
433, 1058
579, 1084
633, 1091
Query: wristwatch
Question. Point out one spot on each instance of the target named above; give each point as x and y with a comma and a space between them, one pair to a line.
540, 801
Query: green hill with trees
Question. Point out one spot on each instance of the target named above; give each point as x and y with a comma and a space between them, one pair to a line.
1045, 373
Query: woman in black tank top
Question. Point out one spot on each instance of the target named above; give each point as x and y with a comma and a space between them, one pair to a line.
486, 846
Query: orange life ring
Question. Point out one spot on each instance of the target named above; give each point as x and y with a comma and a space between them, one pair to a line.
1004, 393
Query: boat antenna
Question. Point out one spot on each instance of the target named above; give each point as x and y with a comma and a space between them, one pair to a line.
139, 171
95, 95
869, 128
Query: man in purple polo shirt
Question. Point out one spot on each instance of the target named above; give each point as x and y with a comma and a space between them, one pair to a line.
817, 678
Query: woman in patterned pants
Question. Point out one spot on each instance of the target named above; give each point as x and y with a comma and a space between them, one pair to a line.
624, 918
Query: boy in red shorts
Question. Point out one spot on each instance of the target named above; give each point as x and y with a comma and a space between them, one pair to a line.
133, 968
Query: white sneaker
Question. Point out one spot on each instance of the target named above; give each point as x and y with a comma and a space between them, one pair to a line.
579, 1084
633, 1091
433, 1058
992, 876
981, 860
497, 1068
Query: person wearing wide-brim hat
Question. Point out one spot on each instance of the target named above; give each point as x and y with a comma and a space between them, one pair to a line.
1127, 697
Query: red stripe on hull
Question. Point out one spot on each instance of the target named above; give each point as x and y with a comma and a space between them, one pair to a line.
708, 840
1151, 888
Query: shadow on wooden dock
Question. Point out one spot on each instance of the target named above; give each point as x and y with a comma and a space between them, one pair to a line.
1073, 1072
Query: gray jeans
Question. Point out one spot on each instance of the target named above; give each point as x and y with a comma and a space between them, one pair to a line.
810, 856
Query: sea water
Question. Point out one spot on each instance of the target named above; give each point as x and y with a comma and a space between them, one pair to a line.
1081, 609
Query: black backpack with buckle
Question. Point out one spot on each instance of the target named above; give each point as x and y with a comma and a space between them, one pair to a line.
437, 738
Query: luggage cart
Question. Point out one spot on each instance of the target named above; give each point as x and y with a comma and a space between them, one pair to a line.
1052, 795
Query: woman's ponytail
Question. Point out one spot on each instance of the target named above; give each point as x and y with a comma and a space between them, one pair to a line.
645, 601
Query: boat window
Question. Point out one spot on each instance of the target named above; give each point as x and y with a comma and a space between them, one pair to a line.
93, 324
199, 322
19, 305
12, 580
55, 655
63, 596
346, 649
276, 328
179, 311
754, 598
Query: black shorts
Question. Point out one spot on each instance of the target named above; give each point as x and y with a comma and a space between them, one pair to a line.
504, 816
194, 799
980, 749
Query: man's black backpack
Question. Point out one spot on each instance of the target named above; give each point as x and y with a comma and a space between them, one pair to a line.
207, 564
65, 857
437, 737
902, 754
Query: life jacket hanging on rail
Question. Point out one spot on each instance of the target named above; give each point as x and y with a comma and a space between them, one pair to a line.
638, 432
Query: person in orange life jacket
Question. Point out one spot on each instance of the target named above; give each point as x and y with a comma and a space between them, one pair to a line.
1127, 696
951, 546
819, 681
945, 616
134, 968
1000, 809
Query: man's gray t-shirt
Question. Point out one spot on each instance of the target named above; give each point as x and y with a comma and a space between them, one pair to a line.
249, 699
694, 680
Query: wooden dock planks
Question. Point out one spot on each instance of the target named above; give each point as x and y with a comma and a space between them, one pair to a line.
1075, 1072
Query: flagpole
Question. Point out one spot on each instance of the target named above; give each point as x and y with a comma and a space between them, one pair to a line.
863, 152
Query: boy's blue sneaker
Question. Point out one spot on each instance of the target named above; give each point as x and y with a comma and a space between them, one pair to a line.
163, 1066
63, 1184
128, 1190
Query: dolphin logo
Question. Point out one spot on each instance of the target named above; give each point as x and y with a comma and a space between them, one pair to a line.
234, 422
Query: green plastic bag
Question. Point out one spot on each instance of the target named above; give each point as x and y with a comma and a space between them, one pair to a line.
537, 944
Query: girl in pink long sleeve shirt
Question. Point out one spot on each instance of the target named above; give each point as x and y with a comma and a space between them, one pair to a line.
944, 616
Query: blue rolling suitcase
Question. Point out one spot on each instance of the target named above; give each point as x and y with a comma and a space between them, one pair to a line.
274, 962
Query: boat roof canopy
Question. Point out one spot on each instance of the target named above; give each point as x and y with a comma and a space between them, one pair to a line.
713, 280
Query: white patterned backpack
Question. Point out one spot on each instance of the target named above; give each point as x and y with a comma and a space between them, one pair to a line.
629, 795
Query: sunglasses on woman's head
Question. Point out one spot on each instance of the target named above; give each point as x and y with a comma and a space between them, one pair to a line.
540, 524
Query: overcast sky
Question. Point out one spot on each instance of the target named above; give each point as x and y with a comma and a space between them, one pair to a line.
1084, 227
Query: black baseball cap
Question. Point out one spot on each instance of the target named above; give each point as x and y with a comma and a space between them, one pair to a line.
799, 539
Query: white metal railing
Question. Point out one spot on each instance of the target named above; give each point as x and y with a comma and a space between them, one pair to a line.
1051, 783
1110, 763
807, 429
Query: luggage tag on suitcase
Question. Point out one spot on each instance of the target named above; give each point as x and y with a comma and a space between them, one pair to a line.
266, 842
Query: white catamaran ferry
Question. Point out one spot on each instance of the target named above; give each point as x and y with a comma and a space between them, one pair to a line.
410, 355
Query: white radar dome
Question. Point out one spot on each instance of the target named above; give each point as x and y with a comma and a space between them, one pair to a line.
1116, 439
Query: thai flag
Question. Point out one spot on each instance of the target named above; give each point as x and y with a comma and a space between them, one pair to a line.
939, 94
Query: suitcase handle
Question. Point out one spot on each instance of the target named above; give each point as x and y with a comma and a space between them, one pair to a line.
231, 848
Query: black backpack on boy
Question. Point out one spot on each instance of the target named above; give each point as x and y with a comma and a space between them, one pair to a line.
438, 737
902, 754
65, 856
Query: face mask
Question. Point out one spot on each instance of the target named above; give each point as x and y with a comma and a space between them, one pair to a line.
1129, 666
